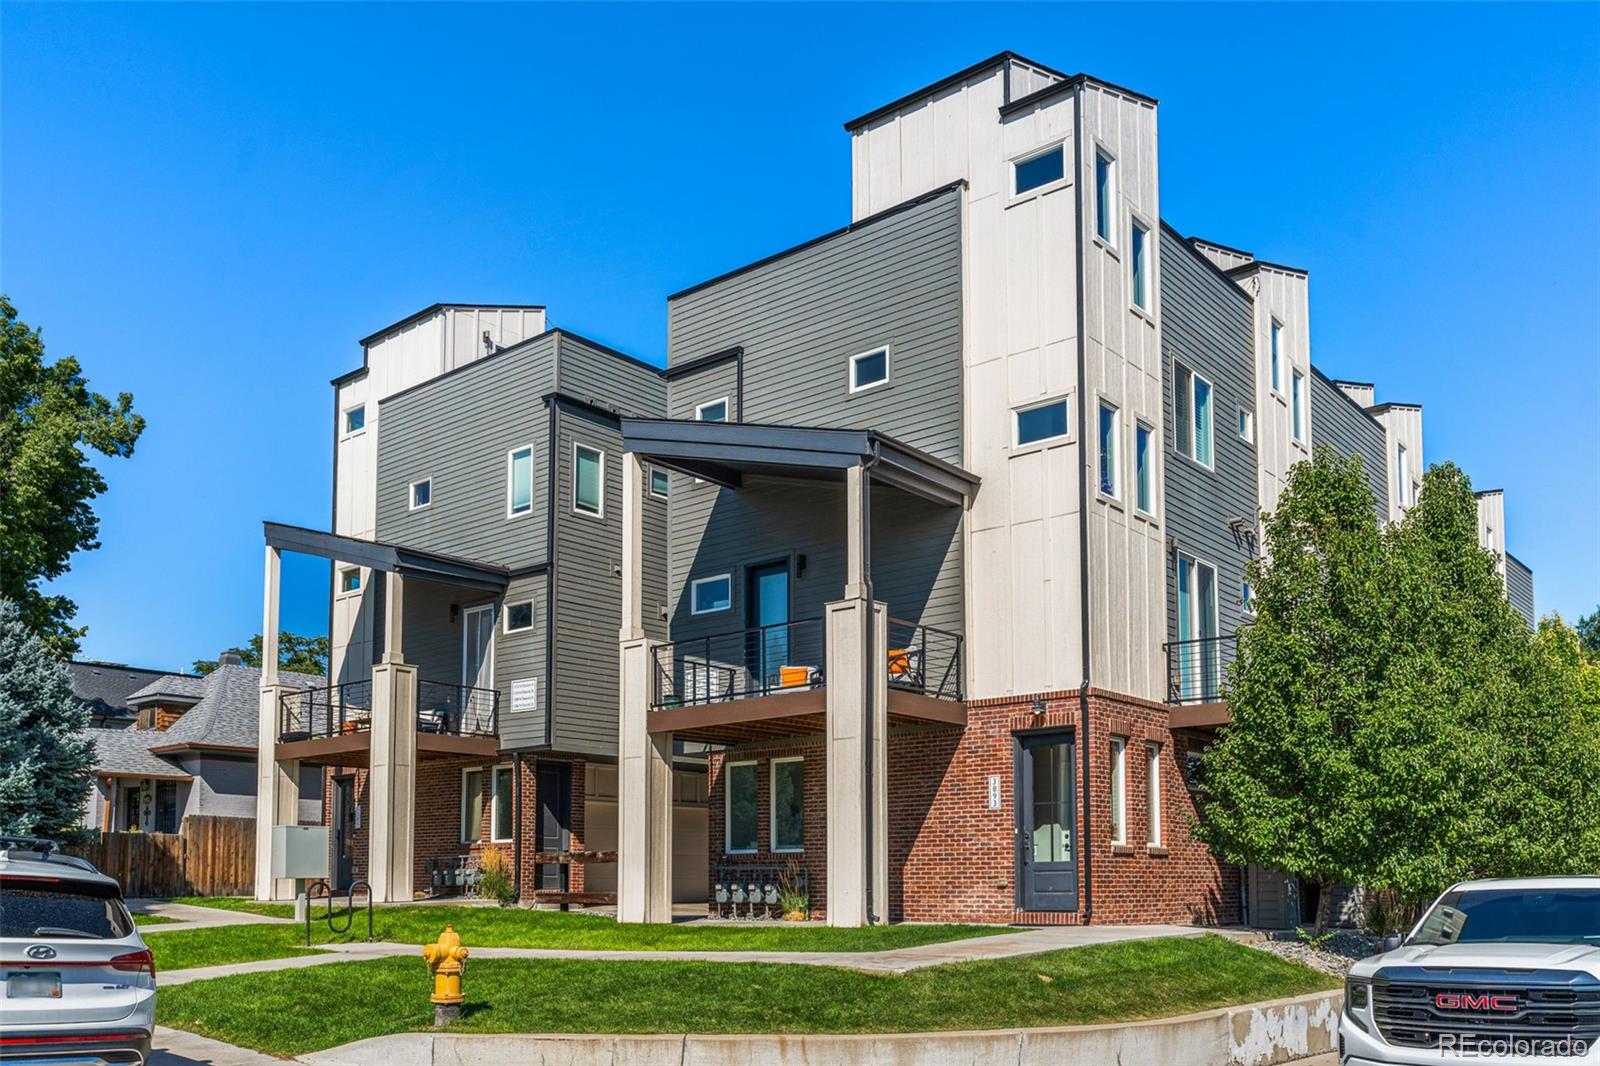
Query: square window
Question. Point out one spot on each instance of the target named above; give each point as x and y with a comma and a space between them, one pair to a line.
355, 419
421, 493
1247, 426
1044, 422
869, 369
588, 479
1143, 462
350, 580
710, 594
660, 483
715, 411
519, 616
1110, 481
741, 807
1139, 264
1042, 169
788, 804
1103, 197
519, 482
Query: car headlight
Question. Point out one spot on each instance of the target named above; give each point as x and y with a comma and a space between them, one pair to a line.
1357, 998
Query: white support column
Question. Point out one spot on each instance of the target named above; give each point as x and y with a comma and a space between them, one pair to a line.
855, 537
277, 782
644, 759
392, 759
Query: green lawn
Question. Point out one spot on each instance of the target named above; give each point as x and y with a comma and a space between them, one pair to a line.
1111, 982
142, 920
184, 949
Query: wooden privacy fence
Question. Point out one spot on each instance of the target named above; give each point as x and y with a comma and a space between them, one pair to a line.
207, 856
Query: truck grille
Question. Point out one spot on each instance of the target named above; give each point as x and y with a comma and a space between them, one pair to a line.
1417, 1006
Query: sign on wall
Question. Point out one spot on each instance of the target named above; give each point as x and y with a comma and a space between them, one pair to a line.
994, 792
525, 694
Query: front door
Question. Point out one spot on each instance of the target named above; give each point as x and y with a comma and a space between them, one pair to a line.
767, 612
553, 831
344, 832
1047, 852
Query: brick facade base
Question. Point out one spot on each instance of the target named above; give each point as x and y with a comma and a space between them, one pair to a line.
952, 856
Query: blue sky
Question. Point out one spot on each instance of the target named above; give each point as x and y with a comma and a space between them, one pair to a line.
209, 205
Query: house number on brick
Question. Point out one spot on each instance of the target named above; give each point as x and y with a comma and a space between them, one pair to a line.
994, 792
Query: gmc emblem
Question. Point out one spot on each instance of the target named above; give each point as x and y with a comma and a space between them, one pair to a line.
1468, 1001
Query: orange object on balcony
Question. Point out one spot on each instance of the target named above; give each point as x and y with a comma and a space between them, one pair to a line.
792, 676
899, 662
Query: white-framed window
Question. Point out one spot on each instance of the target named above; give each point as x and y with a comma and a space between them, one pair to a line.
1119, 790
1042, 422
482, 789
1038, 170
1152, 757
660, 483
421, 493
869, 370
1416, 490
519, 616
350, 579
1275, 346
1247, 426
1297, 405
588, 480
472, 805
519, 481
712, 411
501, 817
1105, 196
788, 803
1192, 415
1110, 475
1199, 667
1400, 480
1247, 598
1139, 265
1144, 460
355, 419
708, 595
741, 810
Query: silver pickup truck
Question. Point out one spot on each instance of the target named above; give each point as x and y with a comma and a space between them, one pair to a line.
1496, 971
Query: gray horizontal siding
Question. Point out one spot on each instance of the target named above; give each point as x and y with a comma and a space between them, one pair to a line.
1342, 425
597, 376
1519, 587
520, 656
1207, 326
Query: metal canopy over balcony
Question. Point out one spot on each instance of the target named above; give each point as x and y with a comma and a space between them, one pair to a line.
726, 452
389, 558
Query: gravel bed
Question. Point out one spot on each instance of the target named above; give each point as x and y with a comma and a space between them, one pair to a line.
1334, 956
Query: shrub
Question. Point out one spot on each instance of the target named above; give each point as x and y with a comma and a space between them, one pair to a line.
496, 882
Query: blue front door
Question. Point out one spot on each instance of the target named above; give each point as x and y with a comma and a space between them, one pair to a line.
767, 612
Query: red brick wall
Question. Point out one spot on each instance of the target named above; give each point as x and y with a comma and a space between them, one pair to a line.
815, 791
530, 815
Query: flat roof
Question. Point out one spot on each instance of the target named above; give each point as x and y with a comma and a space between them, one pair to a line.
390, 558
998, 59
432, 309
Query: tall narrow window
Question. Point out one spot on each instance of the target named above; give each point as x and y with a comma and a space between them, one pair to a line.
1276, 335
741, 807
1139, 259
519, 482
1202, 421
1297, 405
1199, 665
1152, 757
1109, 480
715, 411
1400, 480
167, 807
788, 804
1191, 399
500, 815
660, 483
471, 806
1144, 476
588, 479
1042, 169
1119, 790
1247, 426
1103, 197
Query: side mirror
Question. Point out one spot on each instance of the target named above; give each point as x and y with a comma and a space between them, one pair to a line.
1391, 942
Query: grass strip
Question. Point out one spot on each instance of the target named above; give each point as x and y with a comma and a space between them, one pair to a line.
185, 949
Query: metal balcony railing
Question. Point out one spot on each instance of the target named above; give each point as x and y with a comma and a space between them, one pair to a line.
1196, 669
926, 660
457, 710
340, 710
785, 657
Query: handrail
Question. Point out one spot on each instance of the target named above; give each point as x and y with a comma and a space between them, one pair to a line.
346, 708
739, 663
1197, 668
927, 660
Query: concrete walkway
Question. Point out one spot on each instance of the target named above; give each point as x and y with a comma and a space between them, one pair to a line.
174, 1047
190, 916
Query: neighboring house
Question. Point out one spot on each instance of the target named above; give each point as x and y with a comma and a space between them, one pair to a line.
104, 688
191, 751
932, 534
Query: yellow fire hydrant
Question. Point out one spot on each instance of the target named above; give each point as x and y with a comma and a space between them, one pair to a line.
447, 960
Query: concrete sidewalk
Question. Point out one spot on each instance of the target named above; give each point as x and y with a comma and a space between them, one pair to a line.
190, 916
175, 1047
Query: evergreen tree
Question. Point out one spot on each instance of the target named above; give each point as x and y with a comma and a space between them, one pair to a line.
46, 757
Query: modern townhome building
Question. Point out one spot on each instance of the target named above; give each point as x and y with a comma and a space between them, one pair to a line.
476, 546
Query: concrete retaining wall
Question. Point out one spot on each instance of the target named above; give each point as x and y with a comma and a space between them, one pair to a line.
1257, 1034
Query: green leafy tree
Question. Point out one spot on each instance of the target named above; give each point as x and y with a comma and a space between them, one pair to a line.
46, 758
49, 420
1588, 632
303, 655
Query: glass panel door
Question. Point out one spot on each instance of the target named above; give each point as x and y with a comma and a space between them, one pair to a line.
767, 607
1210, 667
1186, 671
1047, 822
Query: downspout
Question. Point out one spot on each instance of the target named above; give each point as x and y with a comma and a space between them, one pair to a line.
1083, 514
516, 820
867, 677
550, 574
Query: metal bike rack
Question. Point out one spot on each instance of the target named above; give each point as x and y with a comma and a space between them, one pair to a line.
349, 904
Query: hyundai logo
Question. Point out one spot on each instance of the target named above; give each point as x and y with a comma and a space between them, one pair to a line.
41, 951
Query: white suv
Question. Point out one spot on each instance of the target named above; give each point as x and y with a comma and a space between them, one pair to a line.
1496, 971
80, 985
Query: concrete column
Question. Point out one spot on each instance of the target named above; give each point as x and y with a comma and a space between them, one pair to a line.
644, 797
857, 483
394, 617
277, 782
852, 864
392, 781
632, 548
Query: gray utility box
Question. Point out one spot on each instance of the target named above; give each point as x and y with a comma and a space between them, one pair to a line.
300, 851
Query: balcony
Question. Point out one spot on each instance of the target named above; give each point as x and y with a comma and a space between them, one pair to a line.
332, 725
1196, 670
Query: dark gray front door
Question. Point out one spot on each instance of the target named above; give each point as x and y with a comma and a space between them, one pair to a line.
766, 613
344, 831
1047, 836
553, 832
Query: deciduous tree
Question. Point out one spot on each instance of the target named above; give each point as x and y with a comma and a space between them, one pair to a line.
303, 655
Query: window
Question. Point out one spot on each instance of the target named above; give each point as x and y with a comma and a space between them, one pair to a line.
519, 482
588, 479
1247, 426
741, 807
500, 819
708, 594
869, 370
1277, 377
1400, 474
471, 806
1152, 757
1144, 476
660, 483
1110, 482
1139, 264
1044, 422
1297, 405
166, 806
355, 419
1192, 415
1104, 196
519, 616
1037, 170
1119, 790
1247, 598
1199, 669
715, 411
350, 579
788, 804
421, 493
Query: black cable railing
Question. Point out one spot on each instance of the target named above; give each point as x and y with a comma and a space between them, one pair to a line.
926, 660
1196, 669
329, 711
759, 661
457, 710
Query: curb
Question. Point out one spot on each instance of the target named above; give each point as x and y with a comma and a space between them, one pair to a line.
1254, 1034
